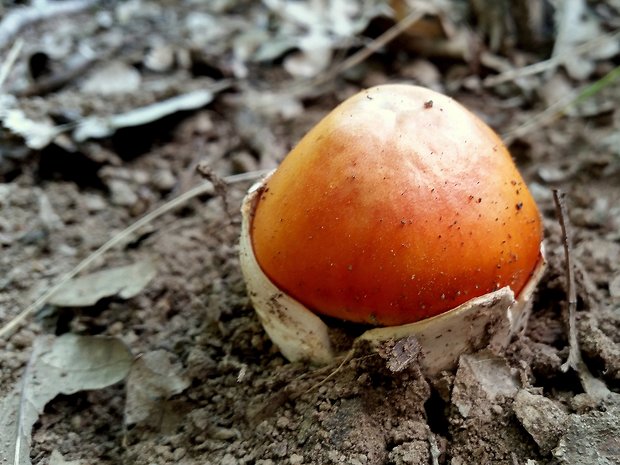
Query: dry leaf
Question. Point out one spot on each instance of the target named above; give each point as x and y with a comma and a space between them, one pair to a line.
63, 365
154, 378
124, 282
36, 134
95, 127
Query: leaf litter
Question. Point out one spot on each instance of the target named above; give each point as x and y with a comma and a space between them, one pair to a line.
57, 365
197, 324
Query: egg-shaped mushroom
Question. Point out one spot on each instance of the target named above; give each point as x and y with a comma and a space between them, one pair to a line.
399, 206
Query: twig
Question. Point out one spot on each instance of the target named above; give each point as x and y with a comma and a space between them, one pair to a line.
203, 188
591, 385
219, 185
10, 60
573, 352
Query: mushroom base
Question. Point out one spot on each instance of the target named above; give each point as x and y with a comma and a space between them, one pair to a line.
489, 320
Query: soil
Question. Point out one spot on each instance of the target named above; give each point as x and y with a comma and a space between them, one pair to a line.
245, 404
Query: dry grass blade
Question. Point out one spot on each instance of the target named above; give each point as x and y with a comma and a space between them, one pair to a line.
22, 436
358, 57
559, 108
10, 60
542, 66
348, 357
203, 188
539, 120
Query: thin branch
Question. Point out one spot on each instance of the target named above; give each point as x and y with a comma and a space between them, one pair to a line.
591, 385
573, 352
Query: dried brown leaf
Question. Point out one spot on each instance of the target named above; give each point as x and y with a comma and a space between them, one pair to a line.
58, 365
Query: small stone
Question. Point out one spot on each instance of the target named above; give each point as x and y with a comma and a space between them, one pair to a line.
77, 422
614, 287
410, 453
497, 409
228, 459
122, 194
93, 202
282, 422
116, 328
160, 58
296, 459
23, 339
164, 180
489, 377
113, 78
583, 403
179, 453
545, 421
280, 449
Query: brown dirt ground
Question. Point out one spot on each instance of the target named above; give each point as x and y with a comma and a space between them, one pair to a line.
246, 404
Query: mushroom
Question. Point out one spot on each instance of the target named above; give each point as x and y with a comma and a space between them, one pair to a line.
402, 210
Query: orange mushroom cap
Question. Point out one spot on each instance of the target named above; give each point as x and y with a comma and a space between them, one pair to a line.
399, 205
